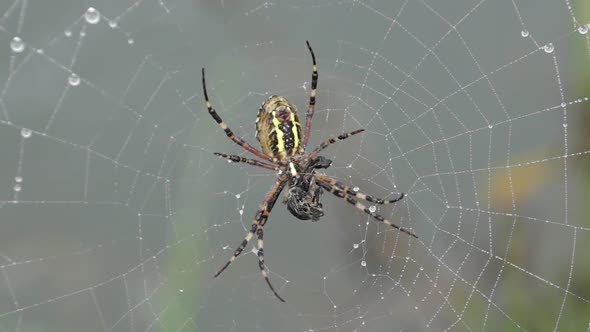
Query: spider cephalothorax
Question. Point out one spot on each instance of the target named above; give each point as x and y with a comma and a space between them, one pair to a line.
283, 150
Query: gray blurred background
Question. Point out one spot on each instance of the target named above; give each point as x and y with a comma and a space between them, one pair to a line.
114, 212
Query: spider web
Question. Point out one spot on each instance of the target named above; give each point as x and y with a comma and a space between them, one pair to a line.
115, 213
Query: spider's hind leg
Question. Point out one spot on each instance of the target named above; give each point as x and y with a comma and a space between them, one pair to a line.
228, 132
240, 159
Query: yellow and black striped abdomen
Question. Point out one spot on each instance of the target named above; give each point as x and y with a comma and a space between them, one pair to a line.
277, 128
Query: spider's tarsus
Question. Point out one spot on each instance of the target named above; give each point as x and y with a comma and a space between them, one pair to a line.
311, 51
221, 270
273, 290
204, 86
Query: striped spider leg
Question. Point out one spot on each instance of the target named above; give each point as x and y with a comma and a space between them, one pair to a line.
341, 190
257, 224
311, 106
238, 140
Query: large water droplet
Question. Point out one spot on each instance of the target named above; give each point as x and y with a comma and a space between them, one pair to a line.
363, 263
74, 79
17, 187
17, 45
25, 132
92, 15
524, 33
583, 29
372, 208
18, 179
548, 48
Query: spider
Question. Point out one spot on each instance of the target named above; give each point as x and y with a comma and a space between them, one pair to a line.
278, 131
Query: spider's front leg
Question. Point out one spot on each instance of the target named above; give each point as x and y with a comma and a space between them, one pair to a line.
261, 264
259, 221
340, 190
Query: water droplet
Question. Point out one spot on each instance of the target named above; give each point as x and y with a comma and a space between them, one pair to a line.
40, 51
355, 189
74, 79
17, 187
372, 208
363, 263
92, 15
563, 104
113, 24
490, 126
416, 308
548, 48
17, 45
18, 179
130, 41
68, 33
356, 245
583, 29
524, 33
238, 195
421, 268
25, 132
564, 125
181, 290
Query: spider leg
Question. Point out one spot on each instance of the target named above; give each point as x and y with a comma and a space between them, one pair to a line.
261, 265
331, 141
311, 106
238, 140
253, 162
340, 192
358, 194
263, 211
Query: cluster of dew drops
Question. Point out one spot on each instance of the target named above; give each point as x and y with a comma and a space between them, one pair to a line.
549, 48
91, 16
25, 133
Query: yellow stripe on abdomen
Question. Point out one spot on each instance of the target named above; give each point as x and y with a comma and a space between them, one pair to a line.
295, 132
280, 135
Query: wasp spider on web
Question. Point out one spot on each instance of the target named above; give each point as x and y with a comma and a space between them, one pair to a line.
283, 150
